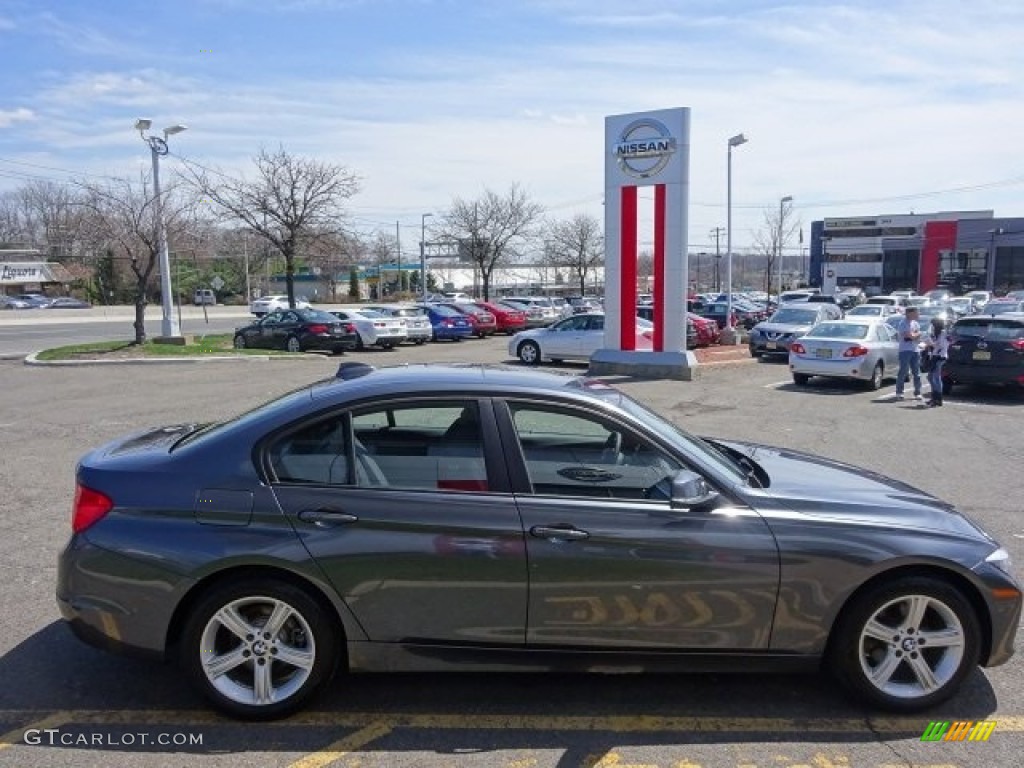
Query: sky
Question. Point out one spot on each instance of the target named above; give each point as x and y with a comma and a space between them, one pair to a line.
860, 108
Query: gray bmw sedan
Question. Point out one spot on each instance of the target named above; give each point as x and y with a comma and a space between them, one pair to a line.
447, 517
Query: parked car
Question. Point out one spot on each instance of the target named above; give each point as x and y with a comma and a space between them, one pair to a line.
706, 330
985, 350
1002, 306
963, 306
12, 302
455, 296
375, 329
34, 300
536, 317
831, 304
203, 296
317, 534
850, 297
576, 337
581, 304
1015, 295
864, 350
544, 303
881, 311
67, 302
789, 297
716, 312
297, 330
417, 325
482, 319
940, 295
447, 323
790, 322
265, 304
646, 312
507, 319
981, 297
899, 302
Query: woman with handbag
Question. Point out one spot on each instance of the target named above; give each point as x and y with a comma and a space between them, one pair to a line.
938, 351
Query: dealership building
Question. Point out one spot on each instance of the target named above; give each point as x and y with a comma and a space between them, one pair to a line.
965, 250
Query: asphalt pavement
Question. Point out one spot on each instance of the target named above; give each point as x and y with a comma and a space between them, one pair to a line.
63, 703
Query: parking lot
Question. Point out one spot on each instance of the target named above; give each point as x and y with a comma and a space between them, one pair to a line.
65, 703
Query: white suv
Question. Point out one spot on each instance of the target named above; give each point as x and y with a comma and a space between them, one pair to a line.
266, 304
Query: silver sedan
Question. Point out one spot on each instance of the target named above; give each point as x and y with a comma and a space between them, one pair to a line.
862, 349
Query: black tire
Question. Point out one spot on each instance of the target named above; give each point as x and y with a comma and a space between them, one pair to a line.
239, 341
420, 342
856, 651
754, 353
877, 375
359, 343
292, 344
947, 386
529, 353
456, 338
307, 631
801, 379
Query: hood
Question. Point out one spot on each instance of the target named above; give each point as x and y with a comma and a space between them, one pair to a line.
782, 327
820, 487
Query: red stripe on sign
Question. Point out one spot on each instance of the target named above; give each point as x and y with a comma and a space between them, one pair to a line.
659, 268
627, 267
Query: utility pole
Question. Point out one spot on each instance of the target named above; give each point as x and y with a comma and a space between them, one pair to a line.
398, 249
717, 233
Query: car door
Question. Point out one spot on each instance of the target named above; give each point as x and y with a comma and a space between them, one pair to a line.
565, 338
611, 564
405, 505
290, 324
888, 338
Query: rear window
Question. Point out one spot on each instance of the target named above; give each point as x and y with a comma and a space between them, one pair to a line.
839, 331
444, 311
407, 312
316, 316
997, 329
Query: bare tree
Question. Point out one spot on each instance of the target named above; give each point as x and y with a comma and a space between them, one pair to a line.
291, 201
488, 230
778, 226
123, 214
578, 245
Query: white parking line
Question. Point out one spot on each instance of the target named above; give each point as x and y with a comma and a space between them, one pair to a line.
778, 384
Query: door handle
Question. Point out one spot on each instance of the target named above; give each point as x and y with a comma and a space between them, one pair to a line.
558, 533
325, 517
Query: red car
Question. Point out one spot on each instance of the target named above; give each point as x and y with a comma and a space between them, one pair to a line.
483, 320
708, 331
508, 320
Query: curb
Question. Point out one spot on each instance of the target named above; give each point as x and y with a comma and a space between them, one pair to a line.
33, 359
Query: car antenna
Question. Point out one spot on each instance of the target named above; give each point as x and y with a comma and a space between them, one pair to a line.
347, 371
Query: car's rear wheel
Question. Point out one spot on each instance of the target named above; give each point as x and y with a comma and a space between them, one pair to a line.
239, 342
877, 374
906, 645
260, 648
529, 353
293, 344
801, 379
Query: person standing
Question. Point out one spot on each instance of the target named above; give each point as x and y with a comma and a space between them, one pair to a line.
910, 357
938, 345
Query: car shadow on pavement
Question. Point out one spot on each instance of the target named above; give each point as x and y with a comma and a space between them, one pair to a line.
825, 387
51, 674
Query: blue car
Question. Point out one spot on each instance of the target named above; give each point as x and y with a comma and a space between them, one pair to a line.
448, 323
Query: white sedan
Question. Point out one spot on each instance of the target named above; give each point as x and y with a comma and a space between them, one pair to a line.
417, 323
864, 349
574, 338
267, 304
374, 328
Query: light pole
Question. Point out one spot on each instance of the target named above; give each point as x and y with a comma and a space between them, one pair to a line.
734, 141
169, 326
423, 256
782, 213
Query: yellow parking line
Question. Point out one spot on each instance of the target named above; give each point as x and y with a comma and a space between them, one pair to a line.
55, 720
345, 746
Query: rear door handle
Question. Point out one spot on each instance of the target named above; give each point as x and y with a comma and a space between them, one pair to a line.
325, 517
558, 533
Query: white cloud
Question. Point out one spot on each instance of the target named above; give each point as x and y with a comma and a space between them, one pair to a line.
11, 116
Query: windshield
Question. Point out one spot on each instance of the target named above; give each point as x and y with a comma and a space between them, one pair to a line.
792, 316
838, 331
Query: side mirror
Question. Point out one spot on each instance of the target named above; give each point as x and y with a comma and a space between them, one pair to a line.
691, 492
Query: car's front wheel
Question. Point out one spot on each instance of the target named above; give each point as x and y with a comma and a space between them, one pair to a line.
293, 344
260, 648
239, 341
908, 644
529, 353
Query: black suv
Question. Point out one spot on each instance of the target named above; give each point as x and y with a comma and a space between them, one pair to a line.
986, 350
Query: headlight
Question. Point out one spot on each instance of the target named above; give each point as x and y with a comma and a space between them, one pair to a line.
1001, 560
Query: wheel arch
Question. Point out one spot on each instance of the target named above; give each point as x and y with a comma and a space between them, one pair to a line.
343, 622
951, 577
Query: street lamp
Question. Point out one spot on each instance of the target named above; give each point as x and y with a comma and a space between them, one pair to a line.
423, 256
170, 328
782, 213
734, 141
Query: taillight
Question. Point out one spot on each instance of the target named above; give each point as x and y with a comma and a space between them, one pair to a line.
1018, 344
318, 329
797, 348
90, 506
349, 328
855, 351
447, 323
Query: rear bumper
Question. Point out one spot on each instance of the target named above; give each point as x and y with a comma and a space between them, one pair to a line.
330, 343
452, 332
978, 374
836, 369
